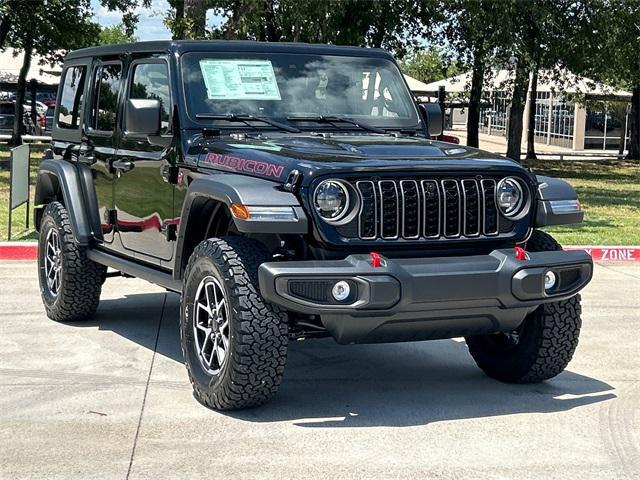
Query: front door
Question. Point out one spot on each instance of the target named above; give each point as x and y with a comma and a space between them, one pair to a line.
143, 195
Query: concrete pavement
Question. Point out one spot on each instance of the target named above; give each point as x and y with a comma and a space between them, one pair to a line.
110, 399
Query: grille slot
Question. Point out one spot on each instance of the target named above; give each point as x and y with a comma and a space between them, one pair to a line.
410, 209
389, 209
431, 201
471, 196
451, 201
427, 209
367, 223
490, 207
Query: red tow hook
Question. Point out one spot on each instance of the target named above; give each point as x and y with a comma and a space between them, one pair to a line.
375, 260
521, 254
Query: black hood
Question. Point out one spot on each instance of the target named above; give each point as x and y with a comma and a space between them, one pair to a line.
274, 157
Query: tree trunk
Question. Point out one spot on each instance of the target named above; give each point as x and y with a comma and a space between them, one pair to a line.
178, 32
514, 138
18, 123
196, 12
634, 125
475, 97
531, 127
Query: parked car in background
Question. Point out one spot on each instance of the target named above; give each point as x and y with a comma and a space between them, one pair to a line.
48, 98
49, 119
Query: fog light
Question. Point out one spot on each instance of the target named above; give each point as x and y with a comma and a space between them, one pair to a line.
550, 280
341, 291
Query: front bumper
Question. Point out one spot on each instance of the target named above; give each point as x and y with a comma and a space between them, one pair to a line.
424, 298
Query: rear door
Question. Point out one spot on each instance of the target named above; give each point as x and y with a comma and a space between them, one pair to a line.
101, 135
143, 194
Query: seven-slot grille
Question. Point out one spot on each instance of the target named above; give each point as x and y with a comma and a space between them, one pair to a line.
427, 209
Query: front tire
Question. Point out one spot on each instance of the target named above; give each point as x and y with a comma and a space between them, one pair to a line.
542, 346
70, 283
234, 347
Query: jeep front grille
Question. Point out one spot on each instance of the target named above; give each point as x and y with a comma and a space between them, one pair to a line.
427, 209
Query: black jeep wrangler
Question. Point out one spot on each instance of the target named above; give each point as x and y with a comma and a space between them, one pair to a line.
290, 191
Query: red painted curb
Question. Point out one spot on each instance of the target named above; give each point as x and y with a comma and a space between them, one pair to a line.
18, 251
29, 251
611, 254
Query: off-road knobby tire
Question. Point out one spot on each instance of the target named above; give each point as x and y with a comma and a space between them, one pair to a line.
548, 337
253, 369
81, 280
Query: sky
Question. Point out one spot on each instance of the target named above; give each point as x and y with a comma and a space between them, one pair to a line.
150, 26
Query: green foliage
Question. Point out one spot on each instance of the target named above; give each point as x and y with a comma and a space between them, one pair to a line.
115, 34
429, 65
385, 23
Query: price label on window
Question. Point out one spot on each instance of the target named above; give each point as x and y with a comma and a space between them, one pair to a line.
239, 80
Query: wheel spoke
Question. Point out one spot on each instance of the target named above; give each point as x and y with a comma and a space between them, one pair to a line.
214, 351
201, 327
221, 352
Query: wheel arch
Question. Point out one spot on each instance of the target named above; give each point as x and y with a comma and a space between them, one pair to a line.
210, 198
59, 181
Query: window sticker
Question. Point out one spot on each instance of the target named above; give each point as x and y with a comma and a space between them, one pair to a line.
239, 80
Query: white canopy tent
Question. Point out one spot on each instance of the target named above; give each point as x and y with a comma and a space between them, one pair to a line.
11, 63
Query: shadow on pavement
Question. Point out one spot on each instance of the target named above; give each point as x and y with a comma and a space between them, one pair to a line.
404, 384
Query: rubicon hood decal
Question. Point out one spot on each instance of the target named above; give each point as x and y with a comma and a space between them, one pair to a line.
239, 164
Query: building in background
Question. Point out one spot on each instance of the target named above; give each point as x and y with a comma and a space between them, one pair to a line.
598, 118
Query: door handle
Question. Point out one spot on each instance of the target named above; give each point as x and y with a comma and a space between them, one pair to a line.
123, 165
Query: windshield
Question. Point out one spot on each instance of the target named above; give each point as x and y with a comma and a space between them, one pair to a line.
284, 86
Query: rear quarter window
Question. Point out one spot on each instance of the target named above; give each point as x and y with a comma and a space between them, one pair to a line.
69, 113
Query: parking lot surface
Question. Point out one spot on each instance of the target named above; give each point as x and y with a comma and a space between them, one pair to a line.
110, 398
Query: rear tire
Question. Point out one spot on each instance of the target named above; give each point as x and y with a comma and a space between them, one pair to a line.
70, 283
542, 346
248, 335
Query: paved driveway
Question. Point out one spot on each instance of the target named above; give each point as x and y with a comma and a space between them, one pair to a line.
110, 399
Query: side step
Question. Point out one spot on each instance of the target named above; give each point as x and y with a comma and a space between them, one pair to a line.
136, 270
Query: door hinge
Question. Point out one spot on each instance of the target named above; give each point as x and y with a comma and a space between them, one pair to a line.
170, 231
111, 217
170, 174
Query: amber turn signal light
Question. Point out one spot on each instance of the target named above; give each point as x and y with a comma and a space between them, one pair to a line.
240, 211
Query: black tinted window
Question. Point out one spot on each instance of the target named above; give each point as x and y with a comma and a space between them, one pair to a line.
71, 98
151, 81
105, 108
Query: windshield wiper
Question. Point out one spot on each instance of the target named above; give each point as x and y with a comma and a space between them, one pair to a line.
248, 118
334, 119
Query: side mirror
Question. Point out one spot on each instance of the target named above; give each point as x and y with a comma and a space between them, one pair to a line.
432, 114
142, 117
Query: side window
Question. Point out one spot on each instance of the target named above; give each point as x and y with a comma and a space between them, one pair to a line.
105, 97
151, 81
72, 88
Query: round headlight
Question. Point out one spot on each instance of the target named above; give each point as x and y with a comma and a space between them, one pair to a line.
509, 197
331, 200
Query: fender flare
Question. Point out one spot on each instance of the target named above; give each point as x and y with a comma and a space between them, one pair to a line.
57, 177
228, 188
553, 190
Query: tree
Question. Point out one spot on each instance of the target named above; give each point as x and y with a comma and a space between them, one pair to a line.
429, 64
610, 32
32, 32
385, 23
115, 34
477, 31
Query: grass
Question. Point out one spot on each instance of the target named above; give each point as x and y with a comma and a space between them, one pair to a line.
609, 193
19, 231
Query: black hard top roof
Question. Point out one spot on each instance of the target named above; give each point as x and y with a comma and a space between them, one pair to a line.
182, 46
